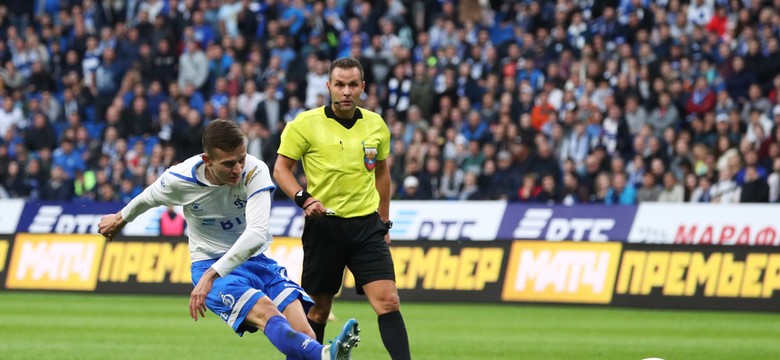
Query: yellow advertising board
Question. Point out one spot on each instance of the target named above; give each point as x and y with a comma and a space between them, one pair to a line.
55, 262
569, 272
3, 254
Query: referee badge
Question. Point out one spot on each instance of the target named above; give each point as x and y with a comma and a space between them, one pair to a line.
369, 156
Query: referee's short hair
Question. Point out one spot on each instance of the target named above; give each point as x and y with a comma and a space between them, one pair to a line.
345, 63
222, 134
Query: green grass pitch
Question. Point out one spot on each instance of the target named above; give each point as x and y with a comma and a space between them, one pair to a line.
88, 326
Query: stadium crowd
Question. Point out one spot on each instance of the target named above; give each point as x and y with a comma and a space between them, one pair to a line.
613, 102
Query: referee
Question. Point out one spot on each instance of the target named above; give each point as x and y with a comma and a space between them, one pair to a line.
347, 202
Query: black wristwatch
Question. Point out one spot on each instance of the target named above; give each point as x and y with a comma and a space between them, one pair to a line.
388, 224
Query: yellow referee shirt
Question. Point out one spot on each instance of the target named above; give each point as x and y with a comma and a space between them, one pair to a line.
339, 162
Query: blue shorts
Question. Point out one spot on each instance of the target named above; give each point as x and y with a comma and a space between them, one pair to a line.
231, 297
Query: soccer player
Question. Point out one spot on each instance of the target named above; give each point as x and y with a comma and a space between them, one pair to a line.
227, 204
347, 203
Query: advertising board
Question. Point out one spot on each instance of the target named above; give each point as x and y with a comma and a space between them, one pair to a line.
555, 223
76, 218
448, 271
692, 224
446, 220
540, 271
609, 273
701, 277
54, 262
10, 214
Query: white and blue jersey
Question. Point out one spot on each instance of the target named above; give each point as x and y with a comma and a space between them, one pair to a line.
223, 237
216, 215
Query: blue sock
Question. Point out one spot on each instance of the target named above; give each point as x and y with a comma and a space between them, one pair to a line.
294, 344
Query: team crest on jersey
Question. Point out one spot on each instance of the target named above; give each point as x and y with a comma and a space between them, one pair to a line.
196, 206
369, 156
239, 202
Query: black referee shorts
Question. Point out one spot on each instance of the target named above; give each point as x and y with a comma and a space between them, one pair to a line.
330, 243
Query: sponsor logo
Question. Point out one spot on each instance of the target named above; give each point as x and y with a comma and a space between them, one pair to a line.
250, 176
439, 220
403, 221
147, 262
715, 234
430, 220
50, 219
430, 229
226, 224
55, 262
306, 343
540, 224
695, 273
554, 223
561, 272
693, 224
444, 268
66, 218
446, 229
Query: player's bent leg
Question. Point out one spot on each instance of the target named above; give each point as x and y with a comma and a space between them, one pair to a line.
297, 318
261, 312
383, 296
295, 344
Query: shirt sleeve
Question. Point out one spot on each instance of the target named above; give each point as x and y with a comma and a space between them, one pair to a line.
257, 178
293, 143
160, 193
383, 150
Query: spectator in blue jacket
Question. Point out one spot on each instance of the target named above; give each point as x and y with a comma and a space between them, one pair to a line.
475, 129
68, 159
620, 193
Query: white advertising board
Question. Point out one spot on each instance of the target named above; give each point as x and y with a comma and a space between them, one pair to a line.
737, 224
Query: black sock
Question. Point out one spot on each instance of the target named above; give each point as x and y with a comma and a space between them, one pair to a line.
319, 330
393, 332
